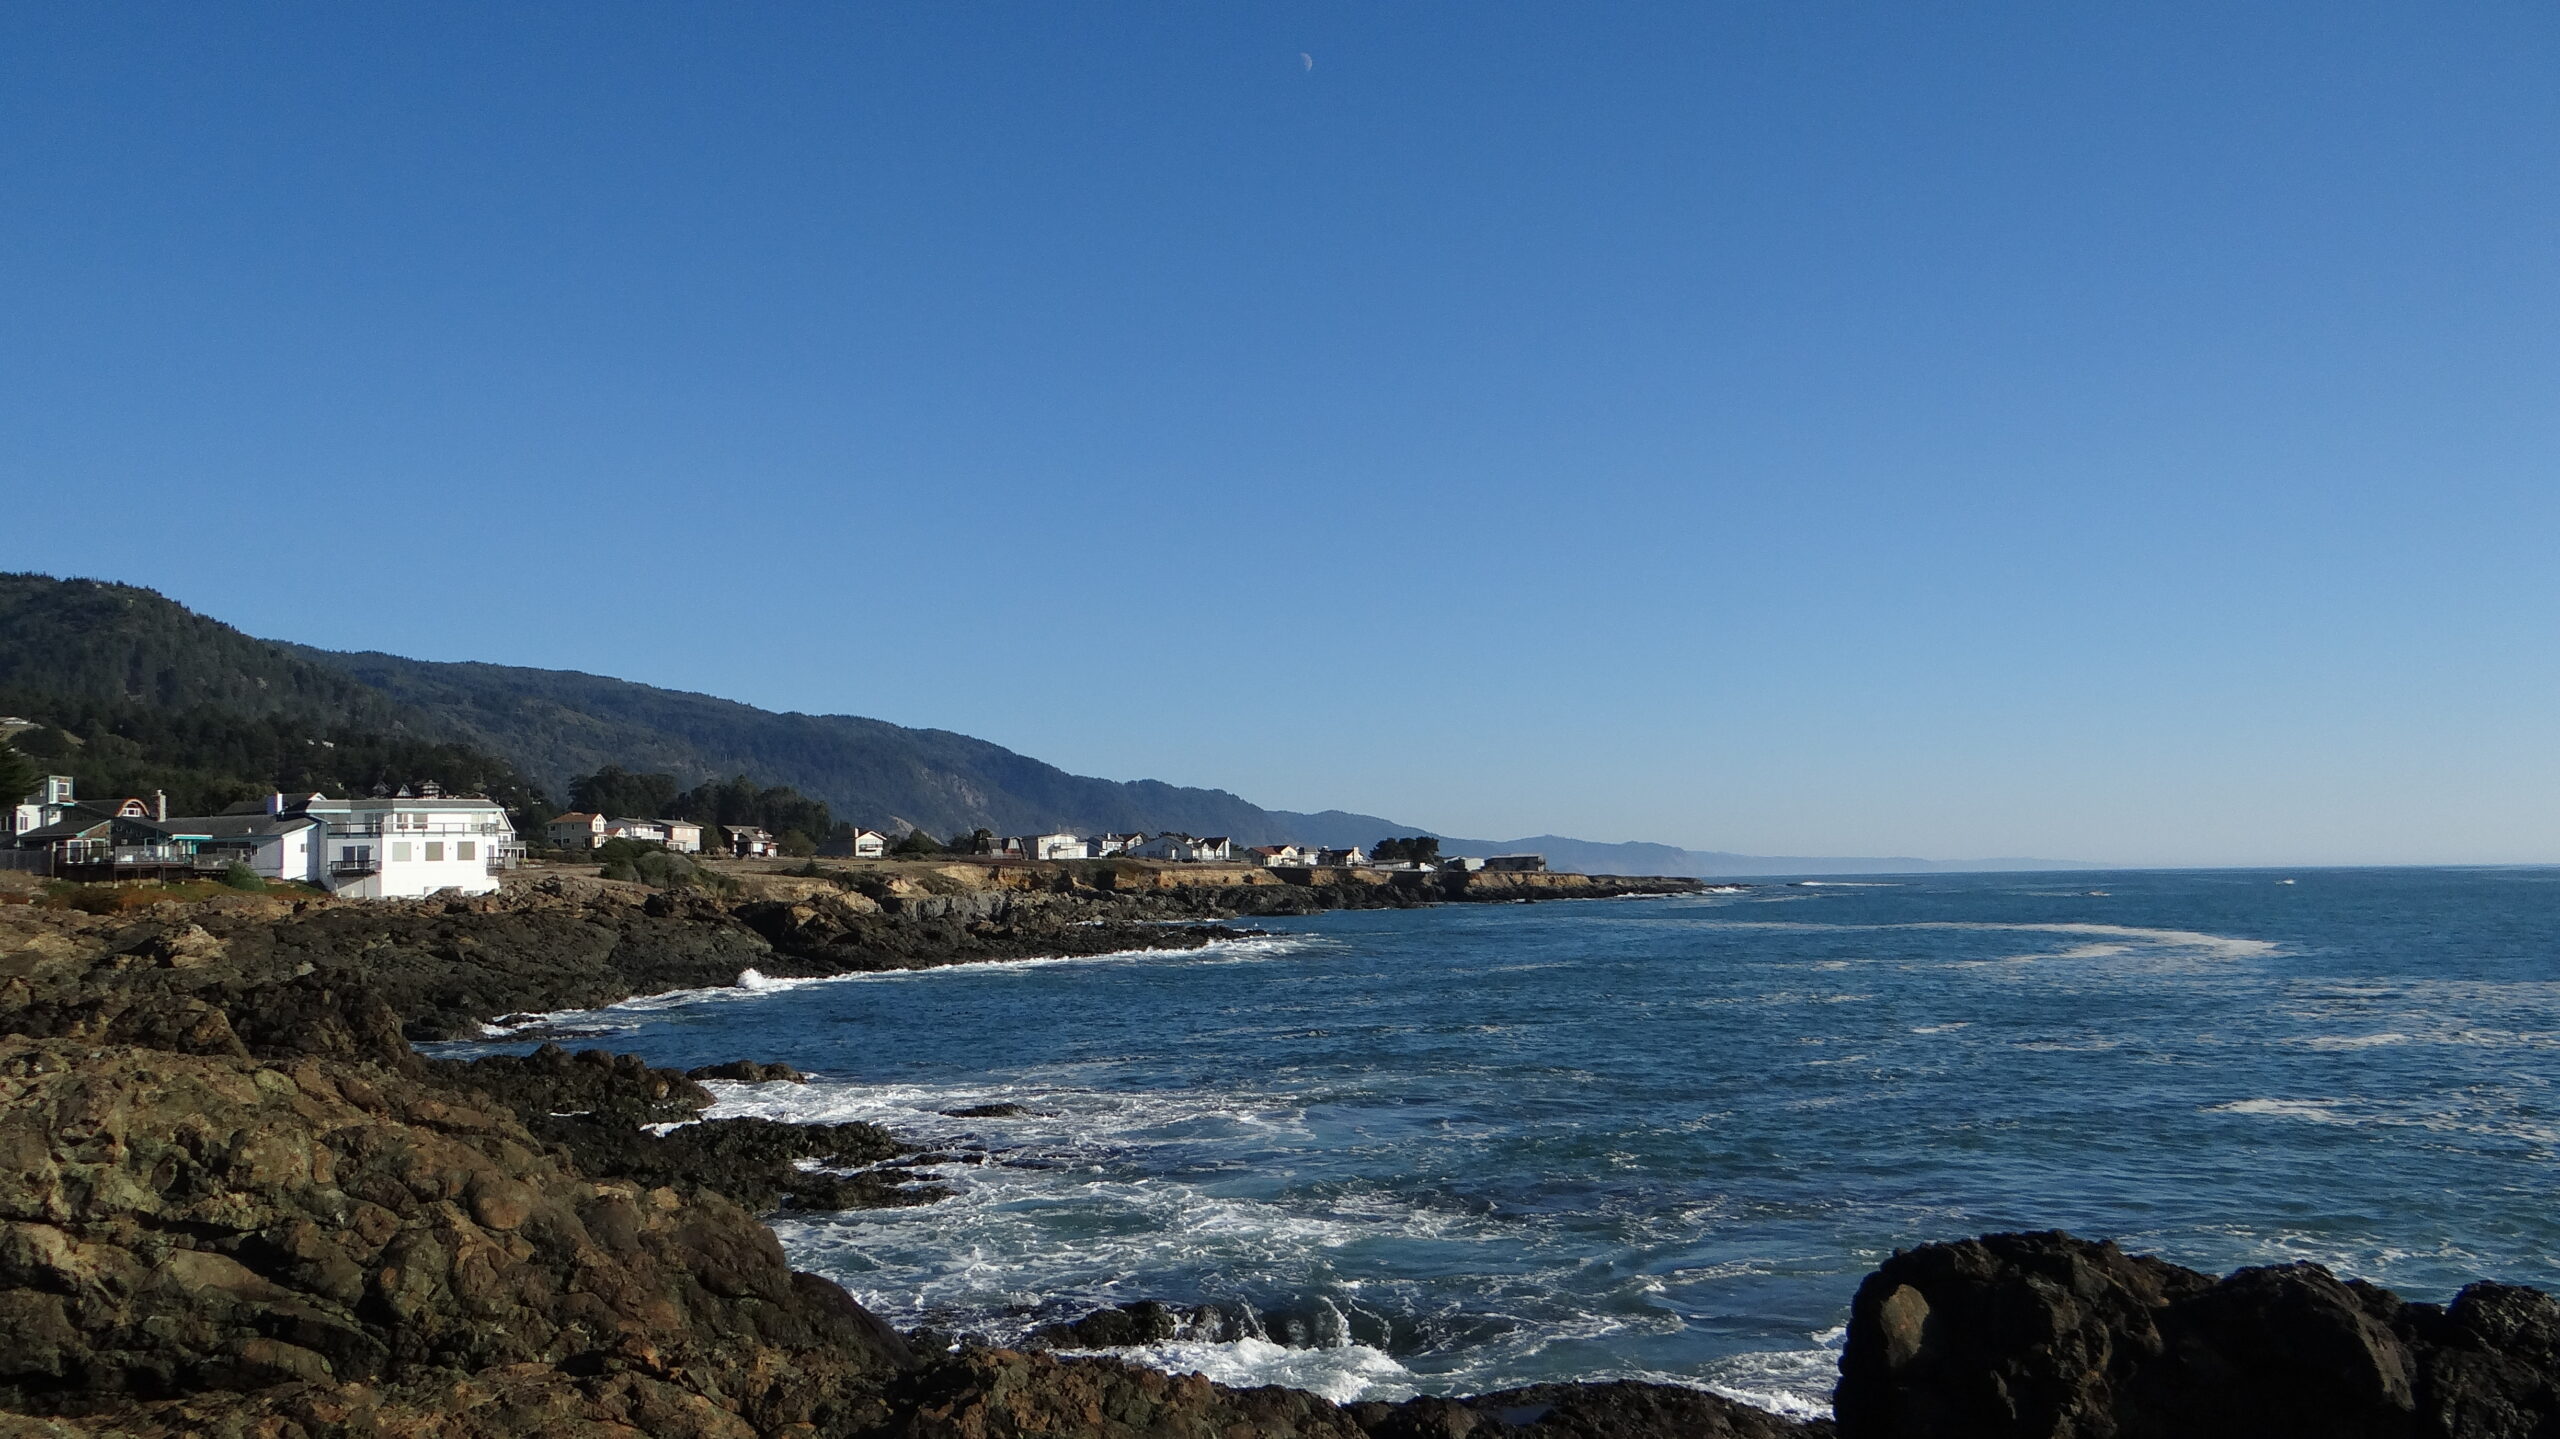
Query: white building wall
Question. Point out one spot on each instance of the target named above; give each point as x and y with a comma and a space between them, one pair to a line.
416, 850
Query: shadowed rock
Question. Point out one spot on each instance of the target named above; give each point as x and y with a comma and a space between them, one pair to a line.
2044, 1336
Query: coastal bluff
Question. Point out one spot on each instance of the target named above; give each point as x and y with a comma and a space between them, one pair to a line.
237, 1201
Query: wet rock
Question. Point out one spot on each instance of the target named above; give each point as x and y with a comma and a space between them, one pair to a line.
984, 1393
1622, 1410
986, 1111
2035, 1335
1146, 1322
598, 1109
748, 1071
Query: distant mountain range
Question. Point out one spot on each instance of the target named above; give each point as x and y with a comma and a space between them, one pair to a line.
94, 641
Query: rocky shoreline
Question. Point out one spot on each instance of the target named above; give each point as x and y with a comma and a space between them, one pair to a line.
236, 1200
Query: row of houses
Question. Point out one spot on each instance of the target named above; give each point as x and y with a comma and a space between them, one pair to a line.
1185, 848
402, 846
580, 831
1194, 849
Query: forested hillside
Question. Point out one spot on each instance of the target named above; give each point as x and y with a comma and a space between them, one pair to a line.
195, 706
556, 724
84, 639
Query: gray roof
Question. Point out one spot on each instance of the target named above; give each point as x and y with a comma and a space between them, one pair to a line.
237, 826
79, 822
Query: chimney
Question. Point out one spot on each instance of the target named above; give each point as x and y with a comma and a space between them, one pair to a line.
160, 804
275, 803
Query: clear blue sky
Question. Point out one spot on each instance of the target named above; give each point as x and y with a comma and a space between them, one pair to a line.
2104, 431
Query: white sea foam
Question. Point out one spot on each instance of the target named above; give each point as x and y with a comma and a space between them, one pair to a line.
2318, 1111
1340, 1373
755, 984
2101, 942
1794, 1382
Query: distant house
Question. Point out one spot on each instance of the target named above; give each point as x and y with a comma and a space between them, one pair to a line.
575, 830
1352, 858
578, 830
748, 842
43, 805
1278, 856
86, 835
1185, 848
869, 844
1047, 846
1104, 846
1462, 864
401, 847
1517, 863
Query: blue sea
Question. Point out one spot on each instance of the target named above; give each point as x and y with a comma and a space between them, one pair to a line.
1457, 1149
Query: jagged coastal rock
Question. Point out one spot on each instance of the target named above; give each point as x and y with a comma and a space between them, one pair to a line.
235, 1201
2014, 1336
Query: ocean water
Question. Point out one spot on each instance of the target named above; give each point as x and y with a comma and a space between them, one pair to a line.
1457, 1149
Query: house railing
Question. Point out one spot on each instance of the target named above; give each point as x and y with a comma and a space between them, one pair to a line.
441, 831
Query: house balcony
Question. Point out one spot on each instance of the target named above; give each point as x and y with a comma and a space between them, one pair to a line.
353, 868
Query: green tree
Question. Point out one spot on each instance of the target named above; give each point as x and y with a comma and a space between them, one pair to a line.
916, 845
18, 775
1414, 849
615, 791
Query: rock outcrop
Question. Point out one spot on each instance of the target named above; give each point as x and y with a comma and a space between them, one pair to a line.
178, 1226
2045, 1336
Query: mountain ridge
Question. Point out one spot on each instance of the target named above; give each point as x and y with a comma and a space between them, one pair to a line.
100, 640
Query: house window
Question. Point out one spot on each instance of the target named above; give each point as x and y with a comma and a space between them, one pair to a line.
400, 851
466, 849
435, 851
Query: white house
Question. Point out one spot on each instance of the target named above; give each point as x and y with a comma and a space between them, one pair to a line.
1351, 858
277, 846
1184, 848
748, 842
1278, 856
402, 847
1049, 846
407, 846
1104, 846
869, 844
